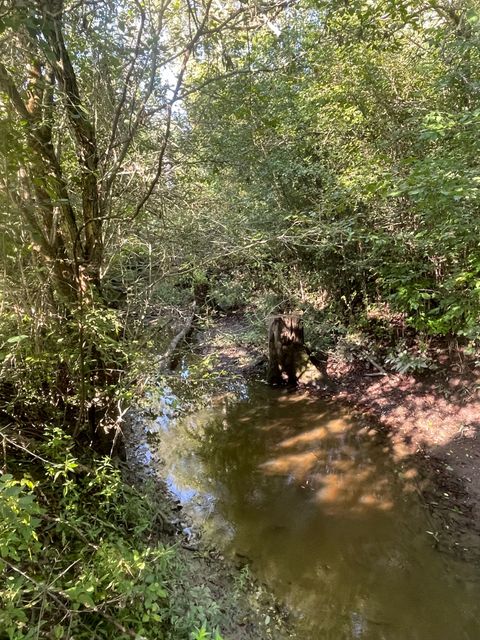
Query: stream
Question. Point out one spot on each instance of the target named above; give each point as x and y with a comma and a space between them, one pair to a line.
326, 515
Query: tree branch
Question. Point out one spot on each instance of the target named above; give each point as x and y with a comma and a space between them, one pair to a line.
8, 86
83, 130
172, 101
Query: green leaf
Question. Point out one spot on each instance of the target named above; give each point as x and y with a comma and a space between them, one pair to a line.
16, 339
473, 16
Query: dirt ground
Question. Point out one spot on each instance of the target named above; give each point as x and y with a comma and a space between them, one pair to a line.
433, 422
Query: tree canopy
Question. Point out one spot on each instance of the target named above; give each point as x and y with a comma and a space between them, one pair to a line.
315, 155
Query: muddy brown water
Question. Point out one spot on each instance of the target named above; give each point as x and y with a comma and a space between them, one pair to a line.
327, 514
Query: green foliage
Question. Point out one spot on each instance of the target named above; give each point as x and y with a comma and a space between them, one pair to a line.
353, 164
19, 519
405, 360
79, 556
55, 367
284, 176
203, 634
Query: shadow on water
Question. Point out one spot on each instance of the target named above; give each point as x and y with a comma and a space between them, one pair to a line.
327, 514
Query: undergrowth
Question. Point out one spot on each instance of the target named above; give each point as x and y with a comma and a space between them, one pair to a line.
80, 552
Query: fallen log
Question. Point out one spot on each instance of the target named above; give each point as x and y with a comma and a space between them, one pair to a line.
374, 363
167, 360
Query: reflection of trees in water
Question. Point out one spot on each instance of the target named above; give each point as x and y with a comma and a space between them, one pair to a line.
312, 498
301, 443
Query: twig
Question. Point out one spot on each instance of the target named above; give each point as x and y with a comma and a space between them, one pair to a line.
53, 594
374, 363
73, 527
19, 446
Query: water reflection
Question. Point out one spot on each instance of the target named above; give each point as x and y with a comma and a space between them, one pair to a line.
326, 515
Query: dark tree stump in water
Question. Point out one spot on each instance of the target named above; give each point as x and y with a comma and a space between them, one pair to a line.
285, 346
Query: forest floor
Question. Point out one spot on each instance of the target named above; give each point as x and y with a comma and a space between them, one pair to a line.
432, 422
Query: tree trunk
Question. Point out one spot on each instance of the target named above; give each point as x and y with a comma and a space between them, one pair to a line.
285, 341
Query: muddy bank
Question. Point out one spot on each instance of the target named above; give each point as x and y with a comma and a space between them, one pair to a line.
385, 439
433, 424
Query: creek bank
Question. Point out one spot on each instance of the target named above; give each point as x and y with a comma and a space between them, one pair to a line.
428, 424
432, 422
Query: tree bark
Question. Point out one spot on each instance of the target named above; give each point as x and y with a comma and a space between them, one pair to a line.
84, 134
285, 342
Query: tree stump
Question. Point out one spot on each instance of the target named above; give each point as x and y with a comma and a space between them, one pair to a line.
285, 347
